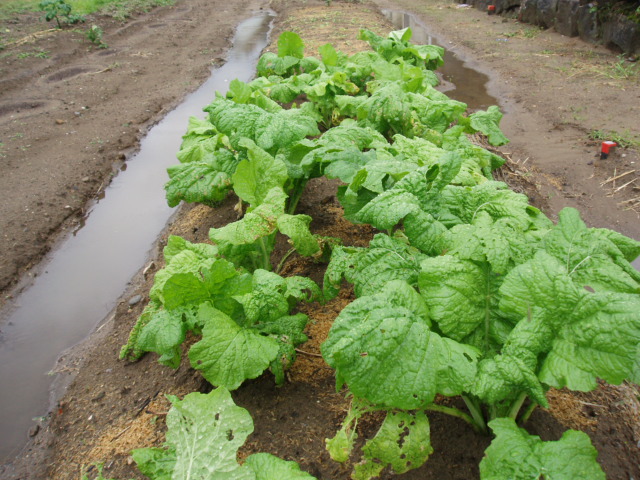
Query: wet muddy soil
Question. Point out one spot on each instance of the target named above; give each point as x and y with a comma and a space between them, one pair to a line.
112, 407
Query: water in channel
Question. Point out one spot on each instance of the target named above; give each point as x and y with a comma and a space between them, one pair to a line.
81, 281
459, 81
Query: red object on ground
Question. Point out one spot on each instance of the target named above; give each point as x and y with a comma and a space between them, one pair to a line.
606, 148
491, 8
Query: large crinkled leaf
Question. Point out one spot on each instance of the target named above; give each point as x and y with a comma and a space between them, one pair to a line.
257, 175
499, 243
175, 245
269, 467
270, 131
434, 110
462, 297
504, 377
163, 335
590, 256
383, 348
206, 181
426, 233
488, 122
204, 434
459, 205
403, 443
194, 288
388, 208
203, 437
369, 269
267, 299
260, 222
288, 332
414, 192
229, 354
155, 463
599, 340
182, 256
541, 282
585, 336
516, 455
296, 227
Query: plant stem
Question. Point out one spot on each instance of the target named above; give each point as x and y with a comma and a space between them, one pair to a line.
296, 193
527, 413
515, 406
284, 259
266, 258
454, 412
476, 413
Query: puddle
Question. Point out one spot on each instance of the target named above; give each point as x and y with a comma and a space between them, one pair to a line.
81, 282
459, 80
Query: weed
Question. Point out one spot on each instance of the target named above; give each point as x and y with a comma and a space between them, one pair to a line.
57, 9
36, 54
532, 32
94, 35
623, 69
624, 139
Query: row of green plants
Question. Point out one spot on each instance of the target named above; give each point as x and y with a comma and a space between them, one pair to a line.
467, 291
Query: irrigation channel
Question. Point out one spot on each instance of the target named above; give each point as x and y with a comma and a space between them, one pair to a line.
82, 280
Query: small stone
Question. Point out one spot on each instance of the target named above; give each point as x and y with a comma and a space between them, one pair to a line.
59, 121
135, 300
86, 179
33, 431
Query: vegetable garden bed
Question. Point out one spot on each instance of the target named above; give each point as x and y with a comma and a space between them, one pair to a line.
446, 240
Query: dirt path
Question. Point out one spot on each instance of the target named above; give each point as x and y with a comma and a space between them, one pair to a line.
112, 407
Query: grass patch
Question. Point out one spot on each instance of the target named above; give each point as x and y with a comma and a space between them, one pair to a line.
624, 139
119, 9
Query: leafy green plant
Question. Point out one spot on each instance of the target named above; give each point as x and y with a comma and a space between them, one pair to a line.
469, 291
57, 10
204, 434
482, 320
516, 454
94, 35
243, 319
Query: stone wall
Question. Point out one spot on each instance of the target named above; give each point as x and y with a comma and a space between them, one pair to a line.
573, 18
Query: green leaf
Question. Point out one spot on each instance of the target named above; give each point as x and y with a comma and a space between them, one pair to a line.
369, 269
328, 54
204, 435
462, 297
591, 257
514, 454
163, 335
155, 463
488, 123
269, 467
206, 182
260, 222
584, 335
403, 442
254, 178
296, 227
194, 288
228, 354
290, 44
383, 348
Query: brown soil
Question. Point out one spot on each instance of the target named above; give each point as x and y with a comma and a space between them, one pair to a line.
112, 407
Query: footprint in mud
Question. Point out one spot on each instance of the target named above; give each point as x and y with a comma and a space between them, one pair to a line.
68, 73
